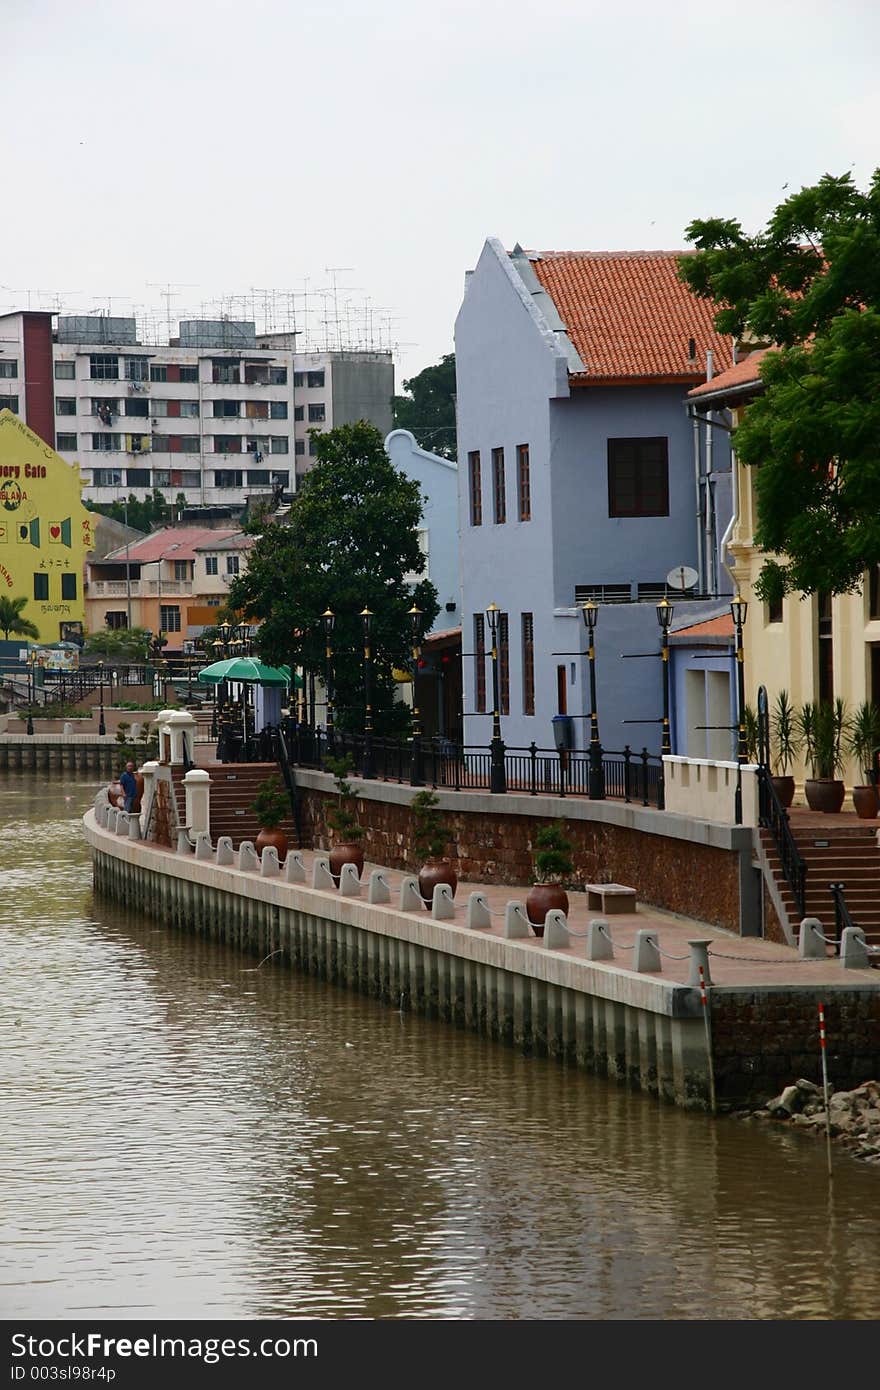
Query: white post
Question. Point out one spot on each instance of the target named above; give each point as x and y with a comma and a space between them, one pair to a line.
197, 787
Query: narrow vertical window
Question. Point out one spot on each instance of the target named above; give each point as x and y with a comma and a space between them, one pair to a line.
498, 486
528, 663
476, 485
503, 663
524, 483
479, 663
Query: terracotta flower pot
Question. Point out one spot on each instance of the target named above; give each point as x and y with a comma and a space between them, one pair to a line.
784, 788
346, 854
276, 838
539, 902
824, 794
865, 802
433, 872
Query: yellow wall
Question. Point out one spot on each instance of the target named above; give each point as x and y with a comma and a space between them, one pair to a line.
784, 656
44, 528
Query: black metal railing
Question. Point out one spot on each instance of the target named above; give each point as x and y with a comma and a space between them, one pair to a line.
773, 816
629, 776
842, 915
288, 772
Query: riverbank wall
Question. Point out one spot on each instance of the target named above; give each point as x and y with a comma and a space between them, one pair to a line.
636, 1028
56, 752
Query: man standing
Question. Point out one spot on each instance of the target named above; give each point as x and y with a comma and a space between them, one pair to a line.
128, 784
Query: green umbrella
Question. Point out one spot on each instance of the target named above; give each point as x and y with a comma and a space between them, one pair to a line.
246, 668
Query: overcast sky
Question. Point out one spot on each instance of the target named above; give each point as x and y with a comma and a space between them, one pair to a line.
222, 148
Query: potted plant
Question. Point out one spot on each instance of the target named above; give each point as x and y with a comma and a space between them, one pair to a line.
863, 742
823, 729
270, 806
553, 864
750, 733
785, 744
430, 839
343, 821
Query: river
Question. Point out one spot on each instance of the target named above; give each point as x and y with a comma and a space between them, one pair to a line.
186, 1135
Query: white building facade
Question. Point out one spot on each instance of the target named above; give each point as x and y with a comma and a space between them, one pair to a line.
218, 414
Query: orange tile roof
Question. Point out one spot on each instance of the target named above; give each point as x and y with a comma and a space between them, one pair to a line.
740, 374
629, 316
721, 626
171, 543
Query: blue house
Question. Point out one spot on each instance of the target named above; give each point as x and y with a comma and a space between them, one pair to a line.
584, 477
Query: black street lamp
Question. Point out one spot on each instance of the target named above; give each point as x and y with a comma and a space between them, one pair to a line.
738, 610
596, 784
102, 728
665, 612
367, 623
497, 772
328, 618
416, 775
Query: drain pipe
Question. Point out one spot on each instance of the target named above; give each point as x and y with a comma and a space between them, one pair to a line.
711, 584
695, 421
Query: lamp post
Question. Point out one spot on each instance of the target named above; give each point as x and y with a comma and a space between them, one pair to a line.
31, 692
416, 775
665, 613
738, 610
596, 784
367, 625
497, 772
102, 728
328, 618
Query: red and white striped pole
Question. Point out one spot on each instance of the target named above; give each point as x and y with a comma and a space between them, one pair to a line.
704, 1000
823, 1052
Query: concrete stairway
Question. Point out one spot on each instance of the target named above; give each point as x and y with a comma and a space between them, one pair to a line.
233, 788
850, 856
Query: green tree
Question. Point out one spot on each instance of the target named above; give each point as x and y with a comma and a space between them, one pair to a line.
428, 411
118, 644
154, 511
809, 286
11, 620
347, 543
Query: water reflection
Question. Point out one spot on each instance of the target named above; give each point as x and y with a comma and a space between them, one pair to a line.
191, 1136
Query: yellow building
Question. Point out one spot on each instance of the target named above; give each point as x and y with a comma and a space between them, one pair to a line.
816, 647
45, 531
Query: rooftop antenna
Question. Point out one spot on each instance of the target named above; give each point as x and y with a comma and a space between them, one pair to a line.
169, 292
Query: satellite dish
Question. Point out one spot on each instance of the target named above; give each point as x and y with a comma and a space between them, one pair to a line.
682, 577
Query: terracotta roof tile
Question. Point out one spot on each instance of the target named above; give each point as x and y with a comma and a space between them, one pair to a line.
629, 316
171, 543
712, 627
740, 374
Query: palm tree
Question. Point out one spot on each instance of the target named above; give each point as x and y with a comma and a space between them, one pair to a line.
11, 620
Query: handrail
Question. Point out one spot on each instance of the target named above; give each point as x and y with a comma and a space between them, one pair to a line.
287, 772
773, 816
842, 916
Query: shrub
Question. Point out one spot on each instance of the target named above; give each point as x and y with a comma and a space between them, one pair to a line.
430, 836
553, 861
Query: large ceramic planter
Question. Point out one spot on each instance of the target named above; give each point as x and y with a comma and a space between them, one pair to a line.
434, 872
865, 802
784, 788
275, 838
346, 854
824, 794
540, 900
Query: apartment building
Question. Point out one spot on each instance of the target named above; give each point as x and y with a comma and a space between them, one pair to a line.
218, 414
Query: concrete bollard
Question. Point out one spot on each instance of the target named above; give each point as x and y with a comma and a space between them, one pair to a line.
248, 860
811, 944
410, 897
67, 730
101, 814
516, 923
599, 943
853, 949
699, 950
294, 867
183, 844
556, 933
269, 866
477, 915
377, 889
204, 848
225, 853
134, 827
443, 903
349, 882
321, 875
646, 953
122, 819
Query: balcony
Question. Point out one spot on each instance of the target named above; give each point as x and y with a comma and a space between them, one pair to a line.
114, 588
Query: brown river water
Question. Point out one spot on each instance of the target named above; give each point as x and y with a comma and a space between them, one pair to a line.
185, 1135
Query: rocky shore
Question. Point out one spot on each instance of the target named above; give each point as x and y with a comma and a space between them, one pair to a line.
854, 1115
